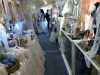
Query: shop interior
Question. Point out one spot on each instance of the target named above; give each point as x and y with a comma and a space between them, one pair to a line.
49, 37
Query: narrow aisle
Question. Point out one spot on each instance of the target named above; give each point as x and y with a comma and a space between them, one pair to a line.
54, 64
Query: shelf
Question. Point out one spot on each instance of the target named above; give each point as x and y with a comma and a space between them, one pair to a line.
91, 60
94, 62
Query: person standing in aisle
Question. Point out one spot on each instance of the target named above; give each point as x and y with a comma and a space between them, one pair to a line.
48, 18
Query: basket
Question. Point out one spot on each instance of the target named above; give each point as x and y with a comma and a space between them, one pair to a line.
13, 68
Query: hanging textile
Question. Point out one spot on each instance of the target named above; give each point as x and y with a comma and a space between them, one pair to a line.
3, 36
76, 8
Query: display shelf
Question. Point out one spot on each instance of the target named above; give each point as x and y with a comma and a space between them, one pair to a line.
78, 49
91, 60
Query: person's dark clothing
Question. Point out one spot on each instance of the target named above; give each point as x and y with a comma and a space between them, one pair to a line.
48, 19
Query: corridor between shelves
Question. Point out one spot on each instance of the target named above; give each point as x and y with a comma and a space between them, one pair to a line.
54, 64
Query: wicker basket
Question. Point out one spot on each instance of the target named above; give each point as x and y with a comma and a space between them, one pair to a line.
13, 68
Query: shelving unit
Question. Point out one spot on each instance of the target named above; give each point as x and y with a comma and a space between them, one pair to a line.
76, 55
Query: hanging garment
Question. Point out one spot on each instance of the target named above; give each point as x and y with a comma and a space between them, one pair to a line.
3, 36
88, 22
53, 36
67, 9
18, 28
40, 27
44, 25
41, 23
92, 53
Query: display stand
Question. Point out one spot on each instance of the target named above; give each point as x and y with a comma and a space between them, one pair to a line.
77, 55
